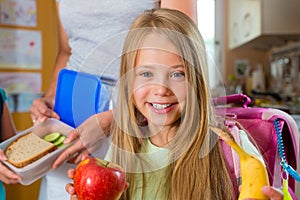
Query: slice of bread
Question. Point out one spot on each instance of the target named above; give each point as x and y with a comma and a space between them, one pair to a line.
27, 149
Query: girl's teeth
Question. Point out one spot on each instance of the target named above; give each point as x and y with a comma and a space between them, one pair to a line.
160, 106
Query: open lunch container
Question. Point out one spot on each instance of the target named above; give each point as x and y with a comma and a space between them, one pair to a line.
40, 167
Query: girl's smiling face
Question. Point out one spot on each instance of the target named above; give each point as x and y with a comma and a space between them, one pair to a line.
160, 83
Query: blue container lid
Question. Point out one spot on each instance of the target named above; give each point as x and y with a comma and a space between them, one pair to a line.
78, 97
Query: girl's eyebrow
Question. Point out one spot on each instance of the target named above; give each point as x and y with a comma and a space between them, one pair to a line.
151, 66
178, 66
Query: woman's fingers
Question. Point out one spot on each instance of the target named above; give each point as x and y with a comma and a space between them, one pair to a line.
73, 135
42, 108
68, 153
79, 157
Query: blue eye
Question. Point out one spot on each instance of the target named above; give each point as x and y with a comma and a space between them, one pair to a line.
178, 74
146, 74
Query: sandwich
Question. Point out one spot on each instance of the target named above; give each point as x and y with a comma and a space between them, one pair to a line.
26, 149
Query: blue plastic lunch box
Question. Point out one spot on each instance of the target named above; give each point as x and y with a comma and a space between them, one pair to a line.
78, 96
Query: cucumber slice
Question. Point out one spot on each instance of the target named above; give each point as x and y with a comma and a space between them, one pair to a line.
60, 145
51, 137
59, 141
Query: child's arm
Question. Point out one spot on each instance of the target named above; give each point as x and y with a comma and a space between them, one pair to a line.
70, 187
7, 126
6, 175
272, 193
7, 130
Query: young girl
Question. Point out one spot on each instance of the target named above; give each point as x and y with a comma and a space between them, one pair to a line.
7, 130
160, 135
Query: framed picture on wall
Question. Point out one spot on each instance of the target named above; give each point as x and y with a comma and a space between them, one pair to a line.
242, 68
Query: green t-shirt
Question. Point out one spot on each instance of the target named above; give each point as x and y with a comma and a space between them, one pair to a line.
158, 157
155, 177
154, 173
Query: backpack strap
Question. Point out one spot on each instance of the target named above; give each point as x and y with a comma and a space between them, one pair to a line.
231, 157
231, 169
236, 159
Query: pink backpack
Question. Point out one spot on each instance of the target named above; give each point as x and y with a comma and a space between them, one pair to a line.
273, 131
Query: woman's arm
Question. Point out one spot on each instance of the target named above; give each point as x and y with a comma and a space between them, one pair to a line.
189, 7
43, 107
64, 52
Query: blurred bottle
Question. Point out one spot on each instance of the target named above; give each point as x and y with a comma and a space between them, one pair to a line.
258, 79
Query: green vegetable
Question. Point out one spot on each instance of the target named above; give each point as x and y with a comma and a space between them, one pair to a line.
60, 145
56, 138
59, 141
52, 137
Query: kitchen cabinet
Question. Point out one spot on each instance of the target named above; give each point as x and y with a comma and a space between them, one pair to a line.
263, 24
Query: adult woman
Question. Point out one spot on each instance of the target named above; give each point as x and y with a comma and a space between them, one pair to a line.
79, 35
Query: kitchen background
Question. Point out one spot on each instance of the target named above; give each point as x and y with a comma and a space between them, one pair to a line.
254, 48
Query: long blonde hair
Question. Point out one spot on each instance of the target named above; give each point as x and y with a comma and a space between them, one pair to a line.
191, 174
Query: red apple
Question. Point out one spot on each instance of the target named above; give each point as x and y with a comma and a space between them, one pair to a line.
98, 179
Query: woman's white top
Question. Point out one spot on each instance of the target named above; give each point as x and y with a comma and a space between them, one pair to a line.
97, 29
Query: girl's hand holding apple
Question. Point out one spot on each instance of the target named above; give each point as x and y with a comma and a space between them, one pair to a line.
97, 179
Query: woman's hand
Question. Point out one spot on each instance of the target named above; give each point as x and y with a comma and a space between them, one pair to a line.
6, 175
92, 139
42, 108
72, 154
